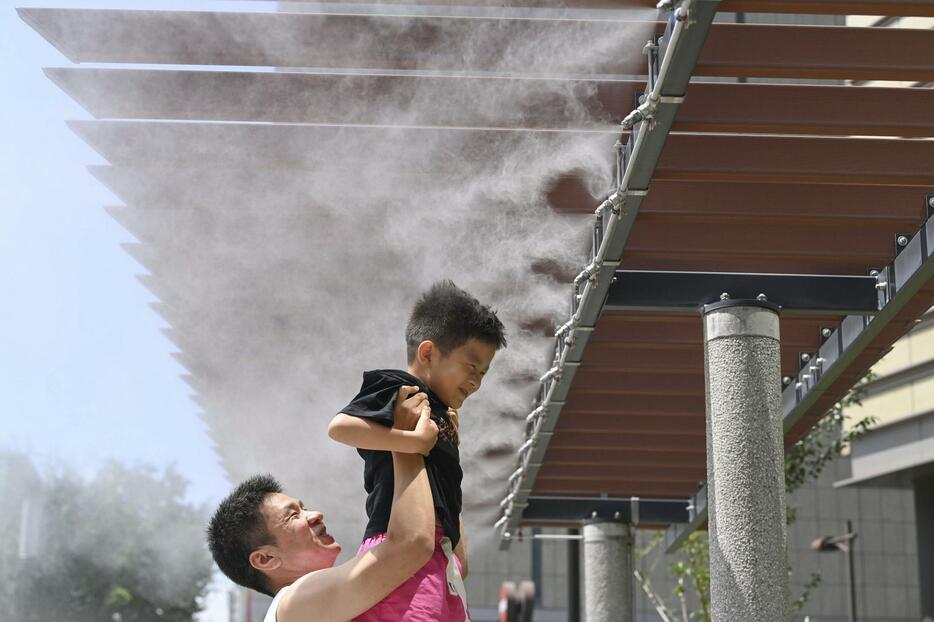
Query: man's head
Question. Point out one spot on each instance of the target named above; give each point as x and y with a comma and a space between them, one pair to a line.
451, 339
263, 539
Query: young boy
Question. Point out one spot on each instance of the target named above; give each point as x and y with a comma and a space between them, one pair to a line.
451, 340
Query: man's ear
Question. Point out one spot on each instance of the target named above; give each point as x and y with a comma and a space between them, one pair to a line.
264, 560
425, 351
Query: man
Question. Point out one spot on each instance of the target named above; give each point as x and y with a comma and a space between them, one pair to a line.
267, 541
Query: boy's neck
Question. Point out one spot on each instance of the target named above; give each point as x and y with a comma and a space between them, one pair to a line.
419, 373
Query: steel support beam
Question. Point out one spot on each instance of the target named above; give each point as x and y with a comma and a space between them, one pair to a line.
641, 290
671, 63
633, 510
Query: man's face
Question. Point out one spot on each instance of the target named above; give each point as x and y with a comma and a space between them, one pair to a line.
457, 375
302, 542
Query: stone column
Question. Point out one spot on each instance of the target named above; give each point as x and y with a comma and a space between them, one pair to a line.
608, 567
745, 462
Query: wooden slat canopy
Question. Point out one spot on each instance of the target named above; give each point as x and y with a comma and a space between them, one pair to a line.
790, 177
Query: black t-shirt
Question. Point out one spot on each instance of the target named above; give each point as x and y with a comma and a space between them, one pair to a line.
376, 400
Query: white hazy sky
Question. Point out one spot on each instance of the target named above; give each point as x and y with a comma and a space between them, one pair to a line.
86, 376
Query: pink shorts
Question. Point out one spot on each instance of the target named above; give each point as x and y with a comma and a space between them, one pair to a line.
425, 597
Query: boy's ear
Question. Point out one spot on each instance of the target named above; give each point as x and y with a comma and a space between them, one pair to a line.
425, 351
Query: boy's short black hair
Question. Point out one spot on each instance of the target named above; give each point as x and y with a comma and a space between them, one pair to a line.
238, 528
449, 316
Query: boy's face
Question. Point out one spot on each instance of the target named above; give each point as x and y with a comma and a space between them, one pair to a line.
455, 376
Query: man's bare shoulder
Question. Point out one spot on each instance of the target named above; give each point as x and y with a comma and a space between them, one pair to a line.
308, 596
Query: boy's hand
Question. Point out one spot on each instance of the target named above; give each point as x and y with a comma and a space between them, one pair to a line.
408, 408
456, 422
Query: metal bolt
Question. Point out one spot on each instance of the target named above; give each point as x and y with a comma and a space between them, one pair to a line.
826, 333
902, 240
617, 516
593, 514
762, 298
798, 385
786, 380
724, 296
931, 201
805, 376
805, 357
814, 368
873, 273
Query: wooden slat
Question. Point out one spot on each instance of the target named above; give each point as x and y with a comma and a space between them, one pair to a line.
797, 160
685, 158
821, 7
345, 41
478, 44
521, 103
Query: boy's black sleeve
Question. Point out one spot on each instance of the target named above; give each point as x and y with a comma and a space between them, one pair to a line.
376, 399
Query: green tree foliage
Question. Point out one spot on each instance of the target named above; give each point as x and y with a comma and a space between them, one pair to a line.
828, 439
124, 547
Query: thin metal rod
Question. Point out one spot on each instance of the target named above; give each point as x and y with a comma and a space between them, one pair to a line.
556, 536
574, 575
537, 566
851, 573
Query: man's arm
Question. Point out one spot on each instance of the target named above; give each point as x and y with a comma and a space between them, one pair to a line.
460, 551
338, 594
368, 434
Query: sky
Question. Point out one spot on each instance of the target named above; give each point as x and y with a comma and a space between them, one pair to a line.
86, 375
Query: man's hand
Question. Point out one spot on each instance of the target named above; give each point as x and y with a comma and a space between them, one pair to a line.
425, 433
408, 408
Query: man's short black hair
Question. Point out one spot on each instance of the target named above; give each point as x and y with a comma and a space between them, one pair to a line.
238, 528
449, 316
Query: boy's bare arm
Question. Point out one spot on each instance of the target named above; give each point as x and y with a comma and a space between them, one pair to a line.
338, 594
367, 434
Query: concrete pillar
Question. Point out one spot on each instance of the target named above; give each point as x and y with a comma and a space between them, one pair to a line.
608, 567
924, 521
745, 462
